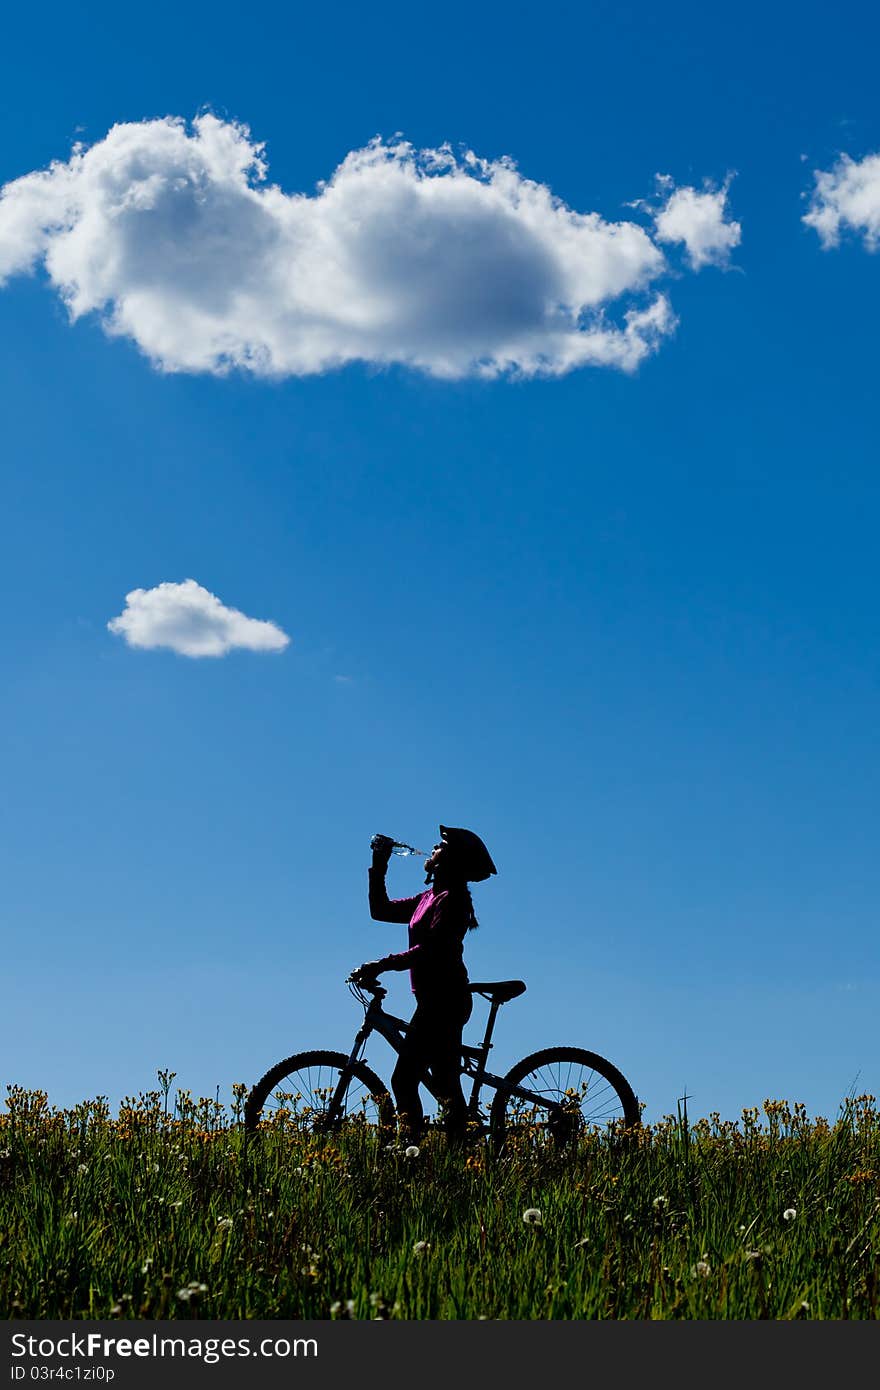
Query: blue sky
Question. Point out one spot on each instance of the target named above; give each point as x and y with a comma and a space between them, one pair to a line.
621, 622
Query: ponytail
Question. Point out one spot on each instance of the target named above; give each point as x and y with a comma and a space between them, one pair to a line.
472, 916
461, 892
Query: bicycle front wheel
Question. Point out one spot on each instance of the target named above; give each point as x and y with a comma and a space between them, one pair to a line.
303, 1093
561, 1094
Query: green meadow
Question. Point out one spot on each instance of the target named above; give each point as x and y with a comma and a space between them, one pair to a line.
166, 1210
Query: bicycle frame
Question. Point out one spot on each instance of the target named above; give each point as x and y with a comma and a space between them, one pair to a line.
473, 1064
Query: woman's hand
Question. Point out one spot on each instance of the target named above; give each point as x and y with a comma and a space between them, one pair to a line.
382, 846
368, 973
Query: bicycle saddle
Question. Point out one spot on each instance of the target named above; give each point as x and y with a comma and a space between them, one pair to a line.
500, 991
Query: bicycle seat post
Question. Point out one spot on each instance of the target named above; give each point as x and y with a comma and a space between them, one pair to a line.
490, 1024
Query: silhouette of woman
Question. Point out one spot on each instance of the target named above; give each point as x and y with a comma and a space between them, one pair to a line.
438, 921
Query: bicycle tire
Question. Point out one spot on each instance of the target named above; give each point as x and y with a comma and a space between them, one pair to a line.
551, 1073
306, 1071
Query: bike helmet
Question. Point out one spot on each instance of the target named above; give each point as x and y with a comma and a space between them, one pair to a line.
471, 852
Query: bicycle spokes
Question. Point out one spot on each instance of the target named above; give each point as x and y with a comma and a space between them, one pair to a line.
563, 1098
314, 1098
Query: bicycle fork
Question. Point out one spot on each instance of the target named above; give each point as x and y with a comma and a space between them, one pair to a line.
337, 1101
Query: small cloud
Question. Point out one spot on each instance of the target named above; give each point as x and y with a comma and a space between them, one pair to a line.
699, 221
187, 619
343, 680
847, 198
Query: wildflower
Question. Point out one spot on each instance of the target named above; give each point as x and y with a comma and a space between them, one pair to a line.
532, 1216
421, 1247
411, 1151
702, 1269
659, 1203
755, 1255
192, 1291
789, 1214
82, 1168
342, 1310
146, 1266
225, 1223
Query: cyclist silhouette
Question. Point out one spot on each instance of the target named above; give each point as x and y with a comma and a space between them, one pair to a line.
438, 921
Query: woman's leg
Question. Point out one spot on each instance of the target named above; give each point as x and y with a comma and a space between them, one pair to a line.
446, 1063
407, 1075
433, 1040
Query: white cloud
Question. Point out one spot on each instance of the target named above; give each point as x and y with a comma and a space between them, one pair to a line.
192, 622
699, 222
847, 197
453, 265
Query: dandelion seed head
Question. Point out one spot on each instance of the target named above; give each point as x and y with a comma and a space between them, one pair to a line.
193, 1290
533, 1216
789, 1214
411, 1151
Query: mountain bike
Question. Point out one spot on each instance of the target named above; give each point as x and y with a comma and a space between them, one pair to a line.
555, 1095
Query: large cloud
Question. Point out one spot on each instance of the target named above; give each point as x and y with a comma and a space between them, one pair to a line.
847, 197
192, 622
453, 265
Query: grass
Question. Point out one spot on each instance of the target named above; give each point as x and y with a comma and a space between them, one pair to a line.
164, 1211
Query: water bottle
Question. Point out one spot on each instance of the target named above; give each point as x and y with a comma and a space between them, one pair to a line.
397, 846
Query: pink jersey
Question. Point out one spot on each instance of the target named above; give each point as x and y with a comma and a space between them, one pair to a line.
437, 926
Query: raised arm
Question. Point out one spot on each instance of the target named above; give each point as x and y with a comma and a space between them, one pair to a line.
383, 908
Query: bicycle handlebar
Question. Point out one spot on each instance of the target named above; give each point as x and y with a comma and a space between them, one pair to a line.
378, 991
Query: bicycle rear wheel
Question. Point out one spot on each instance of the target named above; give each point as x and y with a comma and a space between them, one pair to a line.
302, 1093
569, 1092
